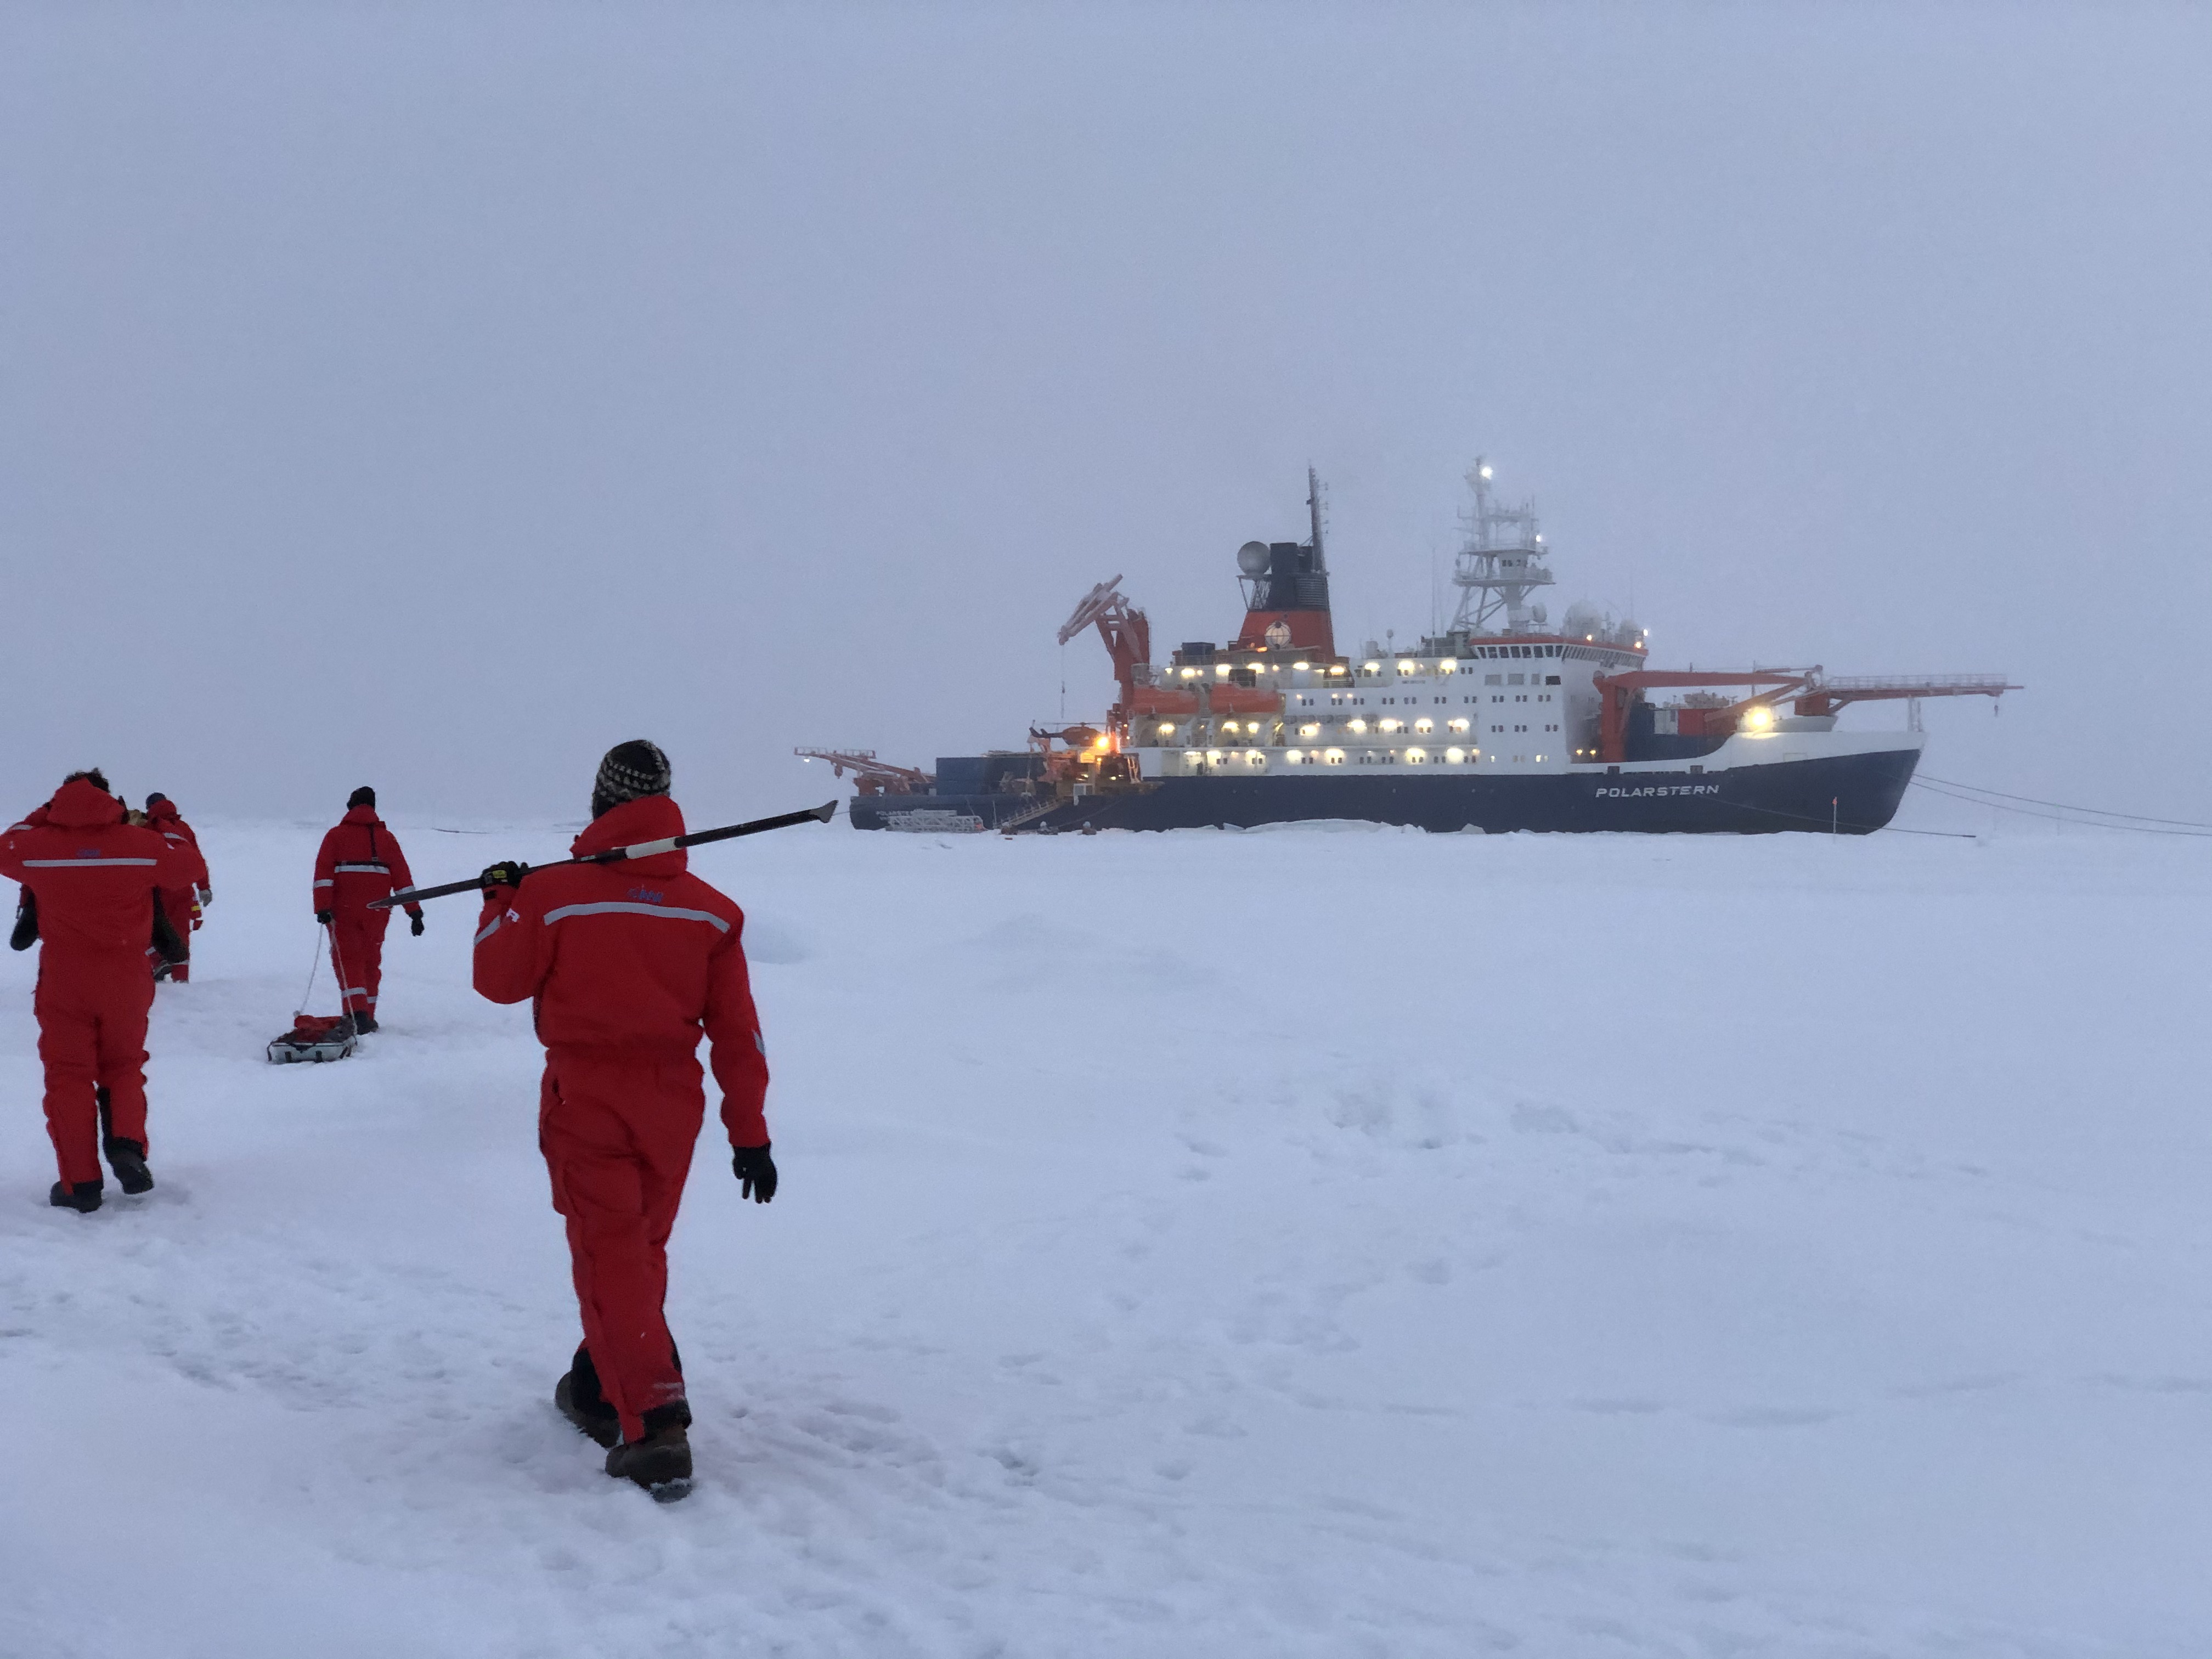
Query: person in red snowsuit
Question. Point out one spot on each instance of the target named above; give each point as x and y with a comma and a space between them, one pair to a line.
629, 965
182, 905
360, 861
93, 877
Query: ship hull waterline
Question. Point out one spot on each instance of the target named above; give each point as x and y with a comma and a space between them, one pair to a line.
1846, 794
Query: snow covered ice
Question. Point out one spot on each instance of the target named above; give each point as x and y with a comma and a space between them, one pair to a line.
1312, 1242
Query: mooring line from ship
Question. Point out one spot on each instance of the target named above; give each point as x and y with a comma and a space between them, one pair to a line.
2085, 823
1871, 828
2102, 812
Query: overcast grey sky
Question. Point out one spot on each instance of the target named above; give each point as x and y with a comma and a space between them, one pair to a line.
432, 396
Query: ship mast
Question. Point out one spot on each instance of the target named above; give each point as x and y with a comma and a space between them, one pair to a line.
1501, 562
1313, 506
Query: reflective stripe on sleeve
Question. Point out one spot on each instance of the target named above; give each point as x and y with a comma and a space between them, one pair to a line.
363, 869
491, 927
326, 882
622, 908
81, 864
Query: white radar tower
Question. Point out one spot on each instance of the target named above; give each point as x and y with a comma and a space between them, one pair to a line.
1500, 563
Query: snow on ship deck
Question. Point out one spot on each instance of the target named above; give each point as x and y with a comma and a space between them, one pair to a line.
1692, 1312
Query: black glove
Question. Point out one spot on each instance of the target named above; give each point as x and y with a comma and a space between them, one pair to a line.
756, 1172
325, 917
507, 872
26, 922
414, 923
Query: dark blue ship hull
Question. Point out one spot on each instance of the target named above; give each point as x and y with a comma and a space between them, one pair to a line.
1850, 794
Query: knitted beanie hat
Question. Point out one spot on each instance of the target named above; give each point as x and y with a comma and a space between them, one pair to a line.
363, 796
631, 771
150, 799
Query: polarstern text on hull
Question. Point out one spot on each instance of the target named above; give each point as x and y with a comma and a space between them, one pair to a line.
1502, 721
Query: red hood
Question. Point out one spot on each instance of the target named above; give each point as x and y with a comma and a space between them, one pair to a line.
163, 811
362, 815
651, 817
84, 805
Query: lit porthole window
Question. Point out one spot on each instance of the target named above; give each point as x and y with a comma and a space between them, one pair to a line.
1358, 725
1455, 756
1311, 729
1415, 756
1213, 757
1424, 725
1389, 725
1254, 757
1334, 757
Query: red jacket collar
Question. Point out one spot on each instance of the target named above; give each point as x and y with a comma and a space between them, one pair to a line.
361, 815
651, 817
82, 806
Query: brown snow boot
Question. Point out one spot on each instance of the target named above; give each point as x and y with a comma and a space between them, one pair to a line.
83, 1196
577, 1396
661, 1462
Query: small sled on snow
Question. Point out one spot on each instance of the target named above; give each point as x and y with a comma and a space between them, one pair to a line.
315, 1038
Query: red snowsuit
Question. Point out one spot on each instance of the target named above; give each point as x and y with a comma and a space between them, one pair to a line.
360, 861
180, 904
628, 962
94, 876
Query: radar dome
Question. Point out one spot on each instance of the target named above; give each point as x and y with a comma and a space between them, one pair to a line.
1252, 558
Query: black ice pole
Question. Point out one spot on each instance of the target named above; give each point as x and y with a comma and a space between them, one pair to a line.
644, 849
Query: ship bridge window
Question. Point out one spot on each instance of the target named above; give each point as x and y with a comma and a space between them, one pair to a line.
1493, 679
1517, 679
1551, 680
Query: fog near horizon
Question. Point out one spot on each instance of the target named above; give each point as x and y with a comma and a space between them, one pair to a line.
431, 398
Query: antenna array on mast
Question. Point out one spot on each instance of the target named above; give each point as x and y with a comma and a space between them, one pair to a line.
1500, 563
